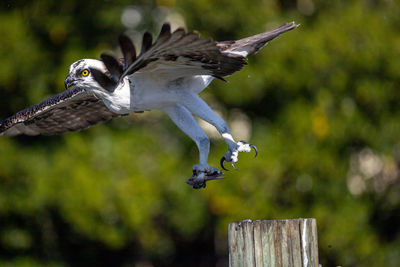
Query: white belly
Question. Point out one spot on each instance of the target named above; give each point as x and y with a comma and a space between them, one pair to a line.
147, 91
148, 94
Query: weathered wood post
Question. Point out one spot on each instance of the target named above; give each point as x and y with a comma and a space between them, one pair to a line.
273, 243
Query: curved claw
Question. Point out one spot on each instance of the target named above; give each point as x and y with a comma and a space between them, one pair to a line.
252, 146
222, 163
255, 149
233, 165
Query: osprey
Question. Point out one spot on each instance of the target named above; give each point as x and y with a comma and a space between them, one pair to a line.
168, 74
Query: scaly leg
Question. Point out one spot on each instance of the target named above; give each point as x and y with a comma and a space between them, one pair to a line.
202, 172
198, 107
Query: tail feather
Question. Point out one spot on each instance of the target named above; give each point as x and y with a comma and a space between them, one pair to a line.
251, 45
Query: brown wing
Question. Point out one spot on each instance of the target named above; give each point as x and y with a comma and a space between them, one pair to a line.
72, 110
180, 54
182, 51
251, 45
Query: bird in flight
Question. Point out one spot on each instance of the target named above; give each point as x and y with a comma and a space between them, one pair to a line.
167, 74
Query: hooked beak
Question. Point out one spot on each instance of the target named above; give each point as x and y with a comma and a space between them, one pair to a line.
69, 82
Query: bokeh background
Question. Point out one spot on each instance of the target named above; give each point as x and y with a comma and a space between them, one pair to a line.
320, 102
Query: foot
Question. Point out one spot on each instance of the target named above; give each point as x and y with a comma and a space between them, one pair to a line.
203, 174
233, 153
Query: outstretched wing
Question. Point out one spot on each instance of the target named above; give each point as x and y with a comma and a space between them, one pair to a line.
185, 52
180, 54
72, 110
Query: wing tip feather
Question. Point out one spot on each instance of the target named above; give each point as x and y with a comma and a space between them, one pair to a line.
128, 50
147, 42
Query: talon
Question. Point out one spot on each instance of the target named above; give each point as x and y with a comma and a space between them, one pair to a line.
255, 149
233, 165
200, 177
222, 163
252, 146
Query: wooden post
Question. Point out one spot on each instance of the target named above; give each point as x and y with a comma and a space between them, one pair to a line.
273, 243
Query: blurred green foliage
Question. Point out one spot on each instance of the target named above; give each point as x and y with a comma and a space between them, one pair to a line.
323, 104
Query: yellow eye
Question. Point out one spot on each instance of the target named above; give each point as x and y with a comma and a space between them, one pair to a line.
85, 73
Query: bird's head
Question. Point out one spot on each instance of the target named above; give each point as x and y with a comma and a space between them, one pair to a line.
80, 74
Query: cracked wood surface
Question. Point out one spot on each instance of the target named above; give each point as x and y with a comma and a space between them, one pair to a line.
273, 243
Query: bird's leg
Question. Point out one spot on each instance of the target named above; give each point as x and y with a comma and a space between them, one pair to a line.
198, 107
202, 172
